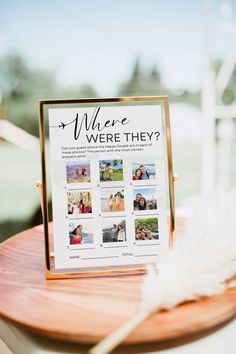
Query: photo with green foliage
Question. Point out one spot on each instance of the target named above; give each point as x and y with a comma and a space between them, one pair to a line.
111, 170
146, 229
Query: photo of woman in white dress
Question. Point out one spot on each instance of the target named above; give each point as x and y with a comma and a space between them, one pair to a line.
121, 237
110, 202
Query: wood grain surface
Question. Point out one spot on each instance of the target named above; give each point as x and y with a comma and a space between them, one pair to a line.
87, 309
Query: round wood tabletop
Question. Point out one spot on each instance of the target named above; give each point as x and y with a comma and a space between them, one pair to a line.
86, 310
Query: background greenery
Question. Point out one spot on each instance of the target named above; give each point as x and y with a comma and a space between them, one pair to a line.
22, 86
150, 223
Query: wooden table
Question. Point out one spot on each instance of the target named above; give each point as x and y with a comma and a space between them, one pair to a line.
85, 310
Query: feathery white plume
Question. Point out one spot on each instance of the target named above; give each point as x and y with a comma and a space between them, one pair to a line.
200, 264
202, 259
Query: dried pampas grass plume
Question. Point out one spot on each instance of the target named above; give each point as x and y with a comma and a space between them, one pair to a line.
201, 264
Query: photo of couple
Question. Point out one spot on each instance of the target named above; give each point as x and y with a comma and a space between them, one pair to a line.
112, 200
114, 232
141, 171
111, 170
144, 199
79, 203
79, 234
146, 229
78, 172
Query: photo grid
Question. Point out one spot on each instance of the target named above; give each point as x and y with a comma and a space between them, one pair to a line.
145, 201
128, 200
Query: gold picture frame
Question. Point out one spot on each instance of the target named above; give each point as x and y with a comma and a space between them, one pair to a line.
43, 106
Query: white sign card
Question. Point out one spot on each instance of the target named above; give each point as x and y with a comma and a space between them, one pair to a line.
109, 185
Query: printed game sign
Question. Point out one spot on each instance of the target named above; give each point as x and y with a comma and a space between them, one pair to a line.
109, 170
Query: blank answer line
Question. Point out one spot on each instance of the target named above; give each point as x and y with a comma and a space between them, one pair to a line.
149, 244
99, 257
82, 249
137, 213
114, 246
146, 255
77, 188
111, 187
144, 185
121, 214
79, 217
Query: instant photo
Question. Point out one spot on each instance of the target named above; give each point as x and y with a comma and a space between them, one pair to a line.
111, 170
114, 230
79, 202
80, 233
112, 200
144, 199
78, 172
143, 171
146, 229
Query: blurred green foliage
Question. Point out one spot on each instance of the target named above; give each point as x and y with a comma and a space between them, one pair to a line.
149, 83
150, 223
22, 86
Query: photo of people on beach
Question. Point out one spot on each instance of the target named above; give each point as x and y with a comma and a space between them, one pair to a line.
79, 202
114, 230
146, 229
80, 232
112, 200
144, 199
143, 171
111, 170
78, 172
